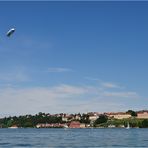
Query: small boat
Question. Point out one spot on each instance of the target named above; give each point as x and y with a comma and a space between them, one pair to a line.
128, 126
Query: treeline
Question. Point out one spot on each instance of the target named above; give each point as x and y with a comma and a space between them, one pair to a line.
29, 120
104, 121
42, 118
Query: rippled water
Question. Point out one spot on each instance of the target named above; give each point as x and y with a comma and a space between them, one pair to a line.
73, 138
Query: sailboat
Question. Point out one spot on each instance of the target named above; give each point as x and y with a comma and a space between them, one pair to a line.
128, 126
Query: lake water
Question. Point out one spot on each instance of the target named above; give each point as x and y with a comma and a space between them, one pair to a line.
73, 138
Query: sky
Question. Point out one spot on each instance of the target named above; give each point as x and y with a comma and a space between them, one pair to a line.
73, 57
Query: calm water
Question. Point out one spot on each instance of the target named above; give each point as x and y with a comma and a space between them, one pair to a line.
73, 138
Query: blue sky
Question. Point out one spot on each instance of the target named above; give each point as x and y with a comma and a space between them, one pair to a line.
73, 57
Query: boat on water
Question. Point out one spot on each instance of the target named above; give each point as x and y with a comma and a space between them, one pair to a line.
128, 126
66, 126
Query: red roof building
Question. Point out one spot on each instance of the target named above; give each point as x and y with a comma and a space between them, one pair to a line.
74, 124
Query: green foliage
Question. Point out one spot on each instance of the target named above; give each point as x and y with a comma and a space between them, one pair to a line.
101, 119
144, 123
116, 122
29, 120
85, 119
133, 122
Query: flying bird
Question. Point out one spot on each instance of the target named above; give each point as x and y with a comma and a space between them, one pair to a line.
10, 32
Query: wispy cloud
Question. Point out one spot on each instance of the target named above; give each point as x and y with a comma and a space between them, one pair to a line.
104, 84
58, 69
32, 100
68, 89
110, 85
61, 98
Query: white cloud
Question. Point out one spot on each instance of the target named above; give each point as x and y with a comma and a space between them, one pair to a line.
67, 89
94, 106
110, 85
58, 69
33, 100
61, 98
104, 84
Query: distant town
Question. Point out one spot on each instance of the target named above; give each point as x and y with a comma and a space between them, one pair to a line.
128, 119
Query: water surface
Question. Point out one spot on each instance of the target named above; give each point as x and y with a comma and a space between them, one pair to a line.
73, 138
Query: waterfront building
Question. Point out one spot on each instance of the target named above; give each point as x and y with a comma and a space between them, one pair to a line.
142, 114
118, 115
74, 124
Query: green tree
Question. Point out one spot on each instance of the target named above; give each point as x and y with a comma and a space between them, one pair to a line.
85, 119
144, 123
101, 119
9, 123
